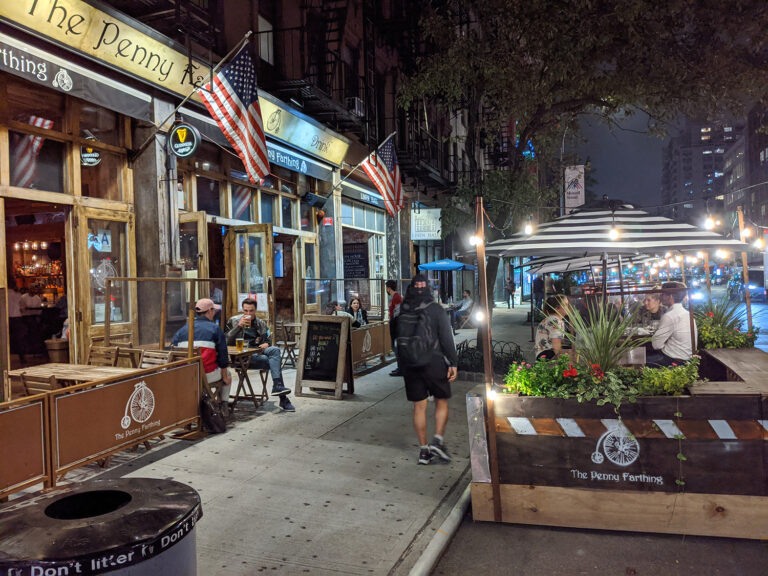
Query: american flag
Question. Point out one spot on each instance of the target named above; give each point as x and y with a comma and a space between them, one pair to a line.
241, 202
383, 170
25, 149
233, 101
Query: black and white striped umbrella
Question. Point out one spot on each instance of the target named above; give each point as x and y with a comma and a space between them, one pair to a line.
560, 264
587, 232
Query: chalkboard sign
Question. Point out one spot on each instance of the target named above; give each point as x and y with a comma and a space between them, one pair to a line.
356, 260
325, 358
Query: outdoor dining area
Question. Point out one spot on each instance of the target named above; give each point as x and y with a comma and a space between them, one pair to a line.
598, 433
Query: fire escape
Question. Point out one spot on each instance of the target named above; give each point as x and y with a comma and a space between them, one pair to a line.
312, 73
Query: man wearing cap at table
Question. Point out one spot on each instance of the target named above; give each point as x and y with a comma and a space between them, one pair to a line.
212, 342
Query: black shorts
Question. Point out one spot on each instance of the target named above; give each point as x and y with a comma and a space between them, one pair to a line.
431, 379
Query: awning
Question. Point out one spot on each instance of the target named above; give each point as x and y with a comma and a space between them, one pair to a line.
586, 232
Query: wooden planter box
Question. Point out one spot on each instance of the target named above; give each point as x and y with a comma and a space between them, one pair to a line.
689, 465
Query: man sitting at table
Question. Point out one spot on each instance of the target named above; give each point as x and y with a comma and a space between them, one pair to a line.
462, 310
256, 334
651, 310
209, 337
672, 340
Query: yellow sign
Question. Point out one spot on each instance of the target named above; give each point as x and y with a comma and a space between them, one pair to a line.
95, 33
282, 123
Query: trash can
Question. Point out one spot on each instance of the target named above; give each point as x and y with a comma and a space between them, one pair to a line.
58, 350
125, 526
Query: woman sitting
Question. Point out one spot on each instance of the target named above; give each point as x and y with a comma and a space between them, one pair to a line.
359, 316
550, 335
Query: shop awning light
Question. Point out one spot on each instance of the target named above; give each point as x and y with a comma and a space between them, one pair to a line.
613, 233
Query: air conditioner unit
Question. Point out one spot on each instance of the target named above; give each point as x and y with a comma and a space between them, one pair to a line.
356, 106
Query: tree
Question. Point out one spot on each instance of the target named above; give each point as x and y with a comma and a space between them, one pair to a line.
536, 66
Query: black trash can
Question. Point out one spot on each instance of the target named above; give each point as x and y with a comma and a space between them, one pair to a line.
126, 526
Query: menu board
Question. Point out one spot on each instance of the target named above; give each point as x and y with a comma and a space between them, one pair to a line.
356, 260
322, 351
325, 357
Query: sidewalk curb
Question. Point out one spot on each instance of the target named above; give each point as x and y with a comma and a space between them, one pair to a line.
443, 536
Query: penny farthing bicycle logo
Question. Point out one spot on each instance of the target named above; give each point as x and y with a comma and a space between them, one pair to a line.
619, 446
140, 405
367, 342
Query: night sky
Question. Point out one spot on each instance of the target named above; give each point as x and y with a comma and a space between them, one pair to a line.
627, 164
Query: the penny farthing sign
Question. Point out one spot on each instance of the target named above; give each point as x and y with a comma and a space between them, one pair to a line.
183, 140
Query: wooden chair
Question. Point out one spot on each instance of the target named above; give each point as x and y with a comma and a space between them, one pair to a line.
103, 355
154, 358
287, 343
38, 384
131, 356
466, 319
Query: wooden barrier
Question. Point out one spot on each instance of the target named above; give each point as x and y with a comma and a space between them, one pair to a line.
688, 464
370, 342
94, 420
24, 444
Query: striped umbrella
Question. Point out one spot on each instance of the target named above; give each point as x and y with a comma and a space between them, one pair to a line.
588, 232
559, 264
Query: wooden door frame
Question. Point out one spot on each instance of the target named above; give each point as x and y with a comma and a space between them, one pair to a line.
86, 328
230, 257
307, 308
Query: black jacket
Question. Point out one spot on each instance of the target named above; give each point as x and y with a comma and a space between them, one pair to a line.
355, 323
257, 334
440, 323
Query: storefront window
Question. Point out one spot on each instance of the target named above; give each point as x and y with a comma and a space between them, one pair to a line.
207, 158
101, 173
99, 124
359, 219
31, 105
381, 225
188, 247
208, 196
370, 219
307, 220
250, 248
287, 210
36, 162
108, 251
346, 213
242, 202
309, 272
267, 208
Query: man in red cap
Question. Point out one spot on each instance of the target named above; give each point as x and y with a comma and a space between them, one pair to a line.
212, 342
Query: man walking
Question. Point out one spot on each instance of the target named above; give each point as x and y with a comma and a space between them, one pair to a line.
511, 288
538, 292
395, 300
428, 359
256, 334
212, 343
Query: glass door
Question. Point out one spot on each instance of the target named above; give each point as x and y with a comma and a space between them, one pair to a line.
106, 247
193, 249
250, 269
310, 287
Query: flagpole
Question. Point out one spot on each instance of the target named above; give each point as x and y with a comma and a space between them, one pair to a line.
244, 40
363, 160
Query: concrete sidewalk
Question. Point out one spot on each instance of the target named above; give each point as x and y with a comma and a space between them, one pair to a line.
331, 489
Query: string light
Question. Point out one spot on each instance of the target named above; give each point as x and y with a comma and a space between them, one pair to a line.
475, 240
613, 234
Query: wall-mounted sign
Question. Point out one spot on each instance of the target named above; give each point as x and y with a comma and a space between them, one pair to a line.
356, 192
574, 186
89, 156
328, 221
183, 140
425, 224
276, 154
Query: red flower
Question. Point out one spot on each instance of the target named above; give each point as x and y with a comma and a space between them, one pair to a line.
736, 330
571, 372
597, 372
674, 364
710, 314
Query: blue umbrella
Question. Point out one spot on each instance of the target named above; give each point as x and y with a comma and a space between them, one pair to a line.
446, 265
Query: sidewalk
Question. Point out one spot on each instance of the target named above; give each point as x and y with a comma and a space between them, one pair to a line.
331, 489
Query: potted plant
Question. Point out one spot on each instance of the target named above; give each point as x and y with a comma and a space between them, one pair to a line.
720, 325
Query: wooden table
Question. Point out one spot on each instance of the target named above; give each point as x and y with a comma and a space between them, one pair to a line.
244, 391
739, 364
72, 372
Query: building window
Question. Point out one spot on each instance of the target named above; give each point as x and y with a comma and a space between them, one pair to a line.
242, 202
307, 217
101, 173
36, 162
287, 212
99, 124
267, 208
108, 248
266, 41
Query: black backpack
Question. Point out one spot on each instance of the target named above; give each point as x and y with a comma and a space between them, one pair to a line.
213, 419
416, 338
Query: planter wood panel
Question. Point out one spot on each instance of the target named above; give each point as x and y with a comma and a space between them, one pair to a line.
686, 464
